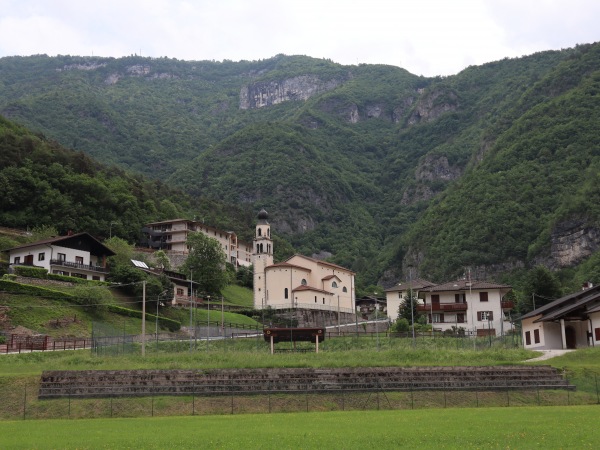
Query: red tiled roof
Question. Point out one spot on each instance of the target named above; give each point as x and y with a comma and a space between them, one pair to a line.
286, 264
323, 263
310, 288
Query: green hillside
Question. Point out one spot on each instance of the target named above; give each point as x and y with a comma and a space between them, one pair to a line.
369, 165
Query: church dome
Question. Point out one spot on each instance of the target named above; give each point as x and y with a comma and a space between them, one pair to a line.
263, 215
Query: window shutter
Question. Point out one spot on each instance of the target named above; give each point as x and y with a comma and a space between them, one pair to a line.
528, 337
483, 296
490, 315
478, 315
441, 318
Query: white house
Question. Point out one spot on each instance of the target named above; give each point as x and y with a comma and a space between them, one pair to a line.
300, 281
396, 295
572, 321
77, 255
477, 306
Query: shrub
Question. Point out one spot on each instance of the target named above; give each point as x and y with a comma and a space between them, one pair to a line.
18, 288
31, 272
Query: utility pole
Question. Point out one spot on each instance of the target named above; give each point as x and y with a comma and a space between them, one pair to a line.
144, 318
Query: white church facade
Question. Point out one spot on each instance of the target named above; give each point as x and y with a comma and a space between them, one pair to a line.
298, 282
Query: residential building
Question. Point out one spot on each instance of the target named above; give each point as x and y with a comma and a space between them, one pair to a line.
299, 281
396, 295
572, 321
478, 307
76, 255
172, 235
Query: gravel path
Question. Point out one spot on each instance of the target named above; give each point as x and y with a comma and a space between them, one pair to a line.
547, 354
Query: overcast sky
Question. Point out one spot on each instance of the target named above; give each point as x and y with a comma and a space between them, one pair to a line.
426, 37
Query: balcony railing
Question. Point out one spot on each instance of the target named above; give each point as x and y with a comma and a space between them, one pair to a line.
507, 304
78, 266
442, 307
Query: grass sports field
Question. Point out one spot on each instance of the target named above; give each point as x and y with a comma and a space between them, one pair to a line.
507, 428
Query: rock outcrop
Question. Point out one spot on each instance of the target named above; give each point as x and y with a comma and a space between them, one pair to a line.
268, 93
432, 104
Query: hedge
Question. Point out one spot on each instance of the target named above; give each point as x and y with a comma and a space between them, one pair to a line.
31, 272
170, 324
18, 288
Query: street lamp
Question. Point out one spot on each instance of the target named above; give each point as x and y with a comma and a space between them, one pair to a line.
207, 320
161, 304
376, 320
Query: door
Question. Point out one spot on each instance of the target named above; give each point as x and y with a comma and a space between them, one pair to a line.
571, 337
29, 260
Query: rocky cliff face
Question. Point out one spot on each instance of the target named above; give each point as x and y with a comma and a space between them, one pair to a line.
267, 93
432, 104
571, 242
432, 168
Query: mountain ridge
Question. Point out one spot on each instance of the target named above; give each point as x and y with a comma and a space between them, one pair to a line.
353, 161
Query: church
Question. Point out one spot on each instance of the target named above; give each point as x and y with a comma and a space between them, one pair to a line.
299, 281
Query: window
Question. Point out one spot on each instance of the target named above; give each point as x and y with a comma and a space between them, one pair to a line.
179, 291
259, 232
79, 259
323, 300
435, 298
483, 296
79, 275
285, 293
528, 338
536, 336
597, 332
344, 289
315, 299
41, 256
303, 282
61, 257
334, 284
484, 316
437, 318
17, 260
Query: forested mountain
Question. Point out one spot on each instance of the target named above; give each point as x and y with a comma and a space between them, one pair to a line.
495, 168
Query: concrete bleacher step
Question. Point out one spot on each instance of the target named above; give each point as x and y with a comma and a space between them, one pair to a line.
104, 383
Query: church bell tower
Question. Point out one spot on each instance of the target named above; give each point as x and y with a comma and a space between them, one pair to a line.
262, 257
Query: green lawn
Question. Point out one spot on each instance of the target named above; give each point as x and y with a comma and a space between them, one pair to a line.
525, 427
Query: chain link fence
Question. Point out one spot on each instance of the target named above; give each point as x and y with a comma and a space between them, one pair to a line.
19, 400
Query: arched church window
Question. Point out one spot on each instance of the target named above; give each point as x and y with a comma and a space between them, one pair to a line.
259, 232
345, 289
303, 282
334, 285
285, 293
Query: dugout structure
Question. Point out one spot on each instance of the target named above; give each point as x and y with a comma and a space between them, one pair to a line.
293, 335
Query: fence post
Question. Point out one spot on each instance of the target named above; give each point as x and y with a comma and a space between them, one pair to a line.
194, 396
306, 392
24, 402
69, 403
412, 398
111, 407
476, 398
597, 393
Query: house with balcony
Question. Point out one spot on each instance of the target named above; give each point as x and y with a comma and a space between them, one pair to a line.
396, 294
171, 236
477, 306
76, 255
570, 322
